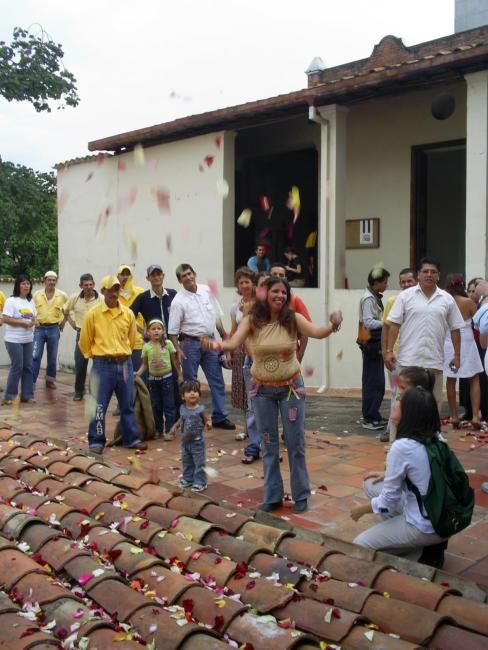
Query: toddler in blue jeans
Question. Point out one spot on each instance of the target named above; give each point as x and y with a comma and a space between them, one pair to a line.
193, 419
158, 360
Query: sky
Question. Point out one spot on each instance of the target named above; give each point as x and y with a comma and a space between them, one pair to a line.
139, 63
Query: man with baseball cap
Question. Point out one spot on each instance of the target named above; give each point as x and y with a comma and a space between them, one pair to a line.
49, 303
108, 336
156, 301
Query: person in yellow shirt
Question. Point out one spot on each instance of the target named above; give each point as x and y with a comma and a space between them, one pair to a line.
75, 310
49, 303
108, 335
127, 294
406, 279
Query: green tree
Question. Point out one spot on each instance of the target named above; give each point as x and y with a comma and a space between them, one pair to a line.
28, 225
31, 69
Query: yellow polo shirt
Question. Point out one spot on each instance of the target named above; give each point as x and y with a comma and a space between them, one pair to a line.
77, 307
2, 303
50, 313
108, 332
126, 299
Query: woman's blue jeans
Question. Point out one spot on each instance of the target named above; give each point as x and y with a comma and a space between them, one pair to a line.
20, 371
289, 402
253, 448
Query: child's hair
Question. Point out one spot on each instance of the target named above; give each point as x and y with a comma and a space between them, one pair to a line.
190, 385
159, 322
418, 377
420, 415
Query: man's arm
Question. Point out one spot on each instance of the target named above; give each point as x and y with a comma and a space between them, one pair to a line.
456, 344
391, 336
87, 336
369, 315
252, 264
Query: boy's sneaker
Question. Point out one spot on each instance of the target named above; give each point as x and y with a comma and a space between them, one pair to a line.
198, 488
372, 425
184, 484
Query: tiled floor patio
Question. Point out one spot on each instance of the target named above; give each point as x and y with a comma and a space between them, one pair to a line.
339, 454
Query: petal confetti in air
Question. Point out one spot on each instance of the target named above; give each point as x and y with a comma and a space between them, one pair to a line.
212, 285
222, 188
339, 355
121, 166
131, 241
244, 218
308, 371
311, 239
169, 243
139, 157
208, 160
322, 389
162, 197
218, 141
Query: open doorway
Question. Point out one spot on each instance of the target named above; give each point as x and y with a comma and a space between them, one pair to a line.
438, 205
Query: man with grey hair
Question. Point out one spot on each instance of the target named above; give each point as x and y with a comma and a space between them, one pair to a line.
194, 314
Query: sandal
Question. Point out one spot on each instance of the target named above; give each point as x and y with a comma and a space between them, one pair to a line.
248, 460
476, 425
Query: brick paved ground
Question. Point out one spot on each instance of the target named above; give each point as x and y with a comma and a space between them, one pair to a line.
339, 453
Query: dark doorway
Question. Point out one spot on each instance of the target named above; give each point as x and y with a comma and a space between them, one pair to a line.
272, 177
438, 224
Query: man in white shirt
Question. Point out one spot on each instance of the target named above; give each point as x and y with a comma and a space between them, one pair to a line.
425, 314
195, 314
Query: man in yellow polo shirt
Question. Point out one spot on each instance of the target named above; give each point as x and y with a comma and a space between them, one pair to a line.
108, 336
49, 303
75, 310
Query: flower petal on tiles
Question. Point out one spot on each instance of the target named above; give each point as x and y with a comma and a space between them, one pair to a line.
79, 613
328, 616
144, 524
84, 578
174, 523
152, 629
369, 635
135, 550
24, 547
250, 585
218, 622
220, 602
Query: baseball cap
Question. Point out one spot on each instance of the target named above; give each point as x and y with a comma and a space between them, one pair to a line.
109, 281
51, 274
153, 267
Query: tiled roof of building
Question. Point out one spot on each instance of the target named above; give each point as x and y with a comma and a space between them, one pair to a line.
391, 68
94, 556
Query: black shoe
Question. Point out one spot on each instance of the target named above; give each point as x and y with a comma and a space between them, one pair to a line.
224, 424
434, 555
269, 507
300, 506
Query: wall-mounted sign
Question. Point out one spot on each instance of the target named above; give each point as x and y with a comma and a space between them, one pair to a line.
362, 233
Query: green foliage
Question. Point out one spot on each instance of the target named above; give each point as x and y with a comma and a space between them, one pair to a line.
28, 226
31, 69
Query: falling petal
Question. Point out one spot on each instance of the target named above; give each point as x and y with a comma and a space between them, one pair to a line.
169, 243
139, 157
311, 240
244, 219
222, 188
218, 141
208, 160
322, 389
308, 371
89, 177
121, 166
212, 285
100, 158
339, 355
265, 203
153, 163
162, 196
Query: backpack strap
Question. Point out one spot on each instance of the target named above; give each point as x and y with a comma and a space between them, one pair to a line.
413, 488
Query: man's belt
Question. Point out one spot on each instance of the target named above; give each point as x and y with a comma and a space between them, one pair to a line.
113, 359
182, 337
49, 325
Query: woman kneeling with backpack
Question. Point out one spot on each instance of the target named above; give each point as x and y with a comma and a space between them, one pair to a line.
425, 496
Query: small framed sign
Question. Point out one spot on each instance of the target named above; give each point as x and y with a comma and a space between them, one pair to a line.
362, 233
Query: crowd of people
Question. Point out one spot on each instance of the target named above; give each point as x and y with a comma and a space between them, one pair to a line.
163, 337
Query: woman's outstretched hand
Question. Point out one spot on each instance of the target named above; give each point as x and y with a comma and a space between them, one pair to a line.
336, 319
209, 344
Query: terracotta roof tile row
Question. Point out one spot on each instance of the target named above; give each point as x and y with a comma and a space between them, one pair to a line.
91, 556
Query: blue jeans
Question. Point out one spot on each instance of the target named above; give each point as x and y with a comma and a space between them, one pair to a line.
289, 401
49, 335
194, 357
253, 448
163, 405
109, 378
193, 461
81, 365
21, 370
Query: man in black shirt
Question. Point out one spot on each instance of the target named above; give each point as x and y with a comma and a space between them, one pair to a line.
156, 301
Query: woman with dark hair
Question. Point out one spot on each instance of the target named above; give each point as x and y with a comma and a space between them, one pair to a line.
19, 314
404, 530
470, 359
270, 332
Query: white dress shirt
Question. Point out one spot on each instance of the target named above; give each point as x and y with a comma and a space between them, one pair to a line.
406, 457
424, 323
194, 314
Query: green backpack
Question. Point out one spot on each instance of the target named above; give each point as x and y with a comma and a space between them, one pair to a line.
449, 501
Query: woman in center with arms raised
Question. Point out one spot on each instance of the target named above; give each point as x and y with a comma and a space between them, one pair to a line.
270, 332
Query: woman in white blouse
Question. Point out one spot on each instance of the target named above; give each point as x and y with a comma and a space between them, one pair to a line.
404, 530
19, 315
